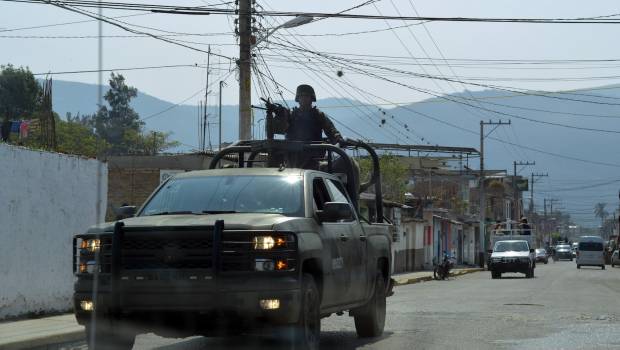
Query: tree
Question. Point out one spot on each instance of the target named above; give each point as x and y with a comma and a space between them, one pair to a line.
118, 123
20, 93
72, 137
394, 175
600, 212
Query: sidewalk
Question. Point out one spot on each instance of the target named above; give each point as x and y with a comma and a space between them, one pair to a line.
423, 276
47, 332
40, 333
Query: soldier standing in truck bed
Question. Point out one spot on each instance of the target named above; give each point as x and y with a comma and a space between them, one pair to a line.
306, 123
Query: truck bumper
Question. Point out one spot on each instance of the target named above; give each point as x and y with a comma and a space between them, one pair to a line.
224, 299
503, 267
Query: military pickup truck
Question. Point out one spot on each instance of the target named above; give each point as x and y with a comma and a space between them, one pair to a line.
235, 250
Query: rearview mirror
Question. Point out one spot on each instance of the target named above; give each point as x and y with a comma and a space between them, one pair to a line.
126, 211
335, 211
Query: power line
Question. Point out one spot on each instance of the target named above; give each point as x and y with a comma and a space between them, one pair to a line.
193, 10
512, 143
480, 107
195, 65
109, 21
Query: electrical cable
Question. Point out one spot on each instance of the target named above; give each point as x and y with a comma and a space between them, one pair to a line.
479, 107
107, 20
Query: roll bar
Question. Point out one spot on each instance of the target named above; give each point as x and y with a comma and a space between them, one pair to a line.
291, 149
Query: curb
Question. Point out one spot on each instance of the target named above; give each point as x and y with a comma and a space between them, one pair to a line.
45, 341
403, 282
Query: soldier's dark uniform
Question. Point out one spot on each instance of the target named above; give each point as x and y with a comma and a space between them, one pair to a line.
306, 125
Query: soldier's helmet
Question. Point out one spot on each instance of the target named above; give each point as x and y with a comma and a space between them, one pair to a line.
305, 89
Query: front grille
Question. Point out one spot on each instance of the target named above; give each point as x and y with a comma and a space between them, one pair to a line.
160, 251
157, 244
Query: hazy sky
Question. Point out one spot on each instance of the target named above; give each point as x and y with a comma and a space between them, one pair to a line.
455, 40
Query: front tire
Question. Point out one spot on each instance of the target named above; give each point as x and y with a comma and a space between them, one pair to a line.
370, 319
603, 267
306, 332
495, 275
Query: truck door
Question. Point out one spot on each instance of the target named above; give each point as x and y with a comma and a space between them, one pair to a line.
336, 257
354, 247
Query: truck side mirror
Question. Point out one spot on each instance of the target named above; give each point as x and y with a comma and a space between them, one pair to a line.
531, 250
490, 251
126, 211
335, 211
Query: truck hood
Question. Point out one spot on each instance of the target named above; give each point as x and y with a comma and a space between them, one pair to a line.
510, 254
236, 221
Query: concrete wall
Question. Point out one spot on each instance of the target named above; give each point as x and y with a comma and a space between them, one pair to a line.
45, 198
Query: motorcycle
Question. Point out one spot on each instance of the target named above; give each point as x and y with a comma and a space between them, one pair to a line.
442, 271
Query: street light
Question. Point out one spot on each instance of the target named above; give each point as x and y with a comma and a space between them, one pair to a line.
295, 22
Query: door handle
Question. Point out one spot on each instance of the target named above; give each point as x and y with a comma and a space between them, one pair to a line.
362, 238
344, 237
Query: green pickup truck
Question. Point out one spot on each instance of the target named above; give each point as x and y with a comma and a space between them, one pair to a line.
235, 250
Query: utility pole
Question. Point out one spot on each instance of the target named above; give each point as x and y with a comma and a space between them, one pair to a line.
546, 230
245, 95
205, 122
482, 218
514, 186
534, 175
220, 116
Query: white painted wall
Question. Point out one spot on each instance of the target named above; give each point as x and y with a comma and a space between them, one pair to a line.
45, 198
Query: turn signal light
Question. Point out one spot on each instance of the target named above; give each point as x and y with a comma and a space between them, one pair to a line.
280, 242
281, 265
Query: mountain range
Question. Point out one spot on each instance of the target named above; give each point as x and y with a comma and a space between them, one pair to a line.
570, 135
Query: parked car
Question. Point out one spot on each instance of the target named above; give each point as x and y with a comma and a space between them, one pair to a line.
563, 251
591, 252
541, 255
615, 258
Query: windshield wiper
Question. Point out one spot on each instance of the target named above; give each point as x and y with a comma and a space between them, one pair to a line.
173, 212
219, 211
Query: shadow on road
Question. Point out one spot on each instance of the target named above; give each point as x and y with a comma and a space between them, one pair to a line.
348, 340
341, 340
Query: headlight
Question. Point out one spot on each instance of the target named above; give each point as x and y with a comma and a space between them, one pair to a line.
92, 245
268, 242
88, 266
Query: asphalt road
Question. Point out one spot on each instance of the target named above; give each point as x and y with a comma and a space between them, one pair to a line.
561, 308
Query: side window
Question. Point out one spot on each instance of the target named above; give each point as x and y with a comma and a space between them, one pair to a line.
336, 191
320, 193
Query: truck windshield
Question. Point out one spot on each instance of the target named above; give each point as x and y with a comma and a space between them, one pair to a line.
511, 247
229, 194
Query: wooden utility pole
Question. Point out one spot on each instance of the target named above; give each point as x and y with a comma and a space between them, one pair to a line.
245, 95
534, 175
516, 210
482, 215
220, 116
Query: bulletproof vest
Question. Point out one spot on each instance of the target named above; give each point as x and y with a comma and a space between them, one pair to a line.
304, 126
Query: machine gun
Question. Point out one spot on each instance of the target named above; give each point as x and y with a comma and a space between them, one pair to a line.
276, 119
